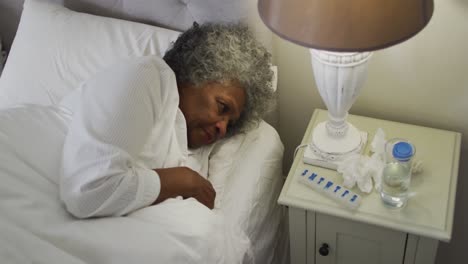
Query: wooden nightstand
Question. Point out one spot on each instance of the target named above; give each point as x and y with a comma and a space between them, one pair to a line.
373, 233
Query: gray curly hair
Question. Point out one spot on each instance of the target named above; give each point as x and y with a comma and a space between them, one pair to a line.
224, 53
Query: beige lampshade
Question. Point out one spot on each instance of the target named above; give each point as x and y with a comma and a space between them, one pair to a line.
346, 25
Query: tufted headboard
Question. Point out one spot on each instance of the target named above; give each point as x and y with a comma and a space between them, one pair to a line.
173, 14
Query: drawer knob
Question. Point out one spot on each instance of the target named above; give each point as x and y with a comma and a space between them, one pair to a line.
323, 250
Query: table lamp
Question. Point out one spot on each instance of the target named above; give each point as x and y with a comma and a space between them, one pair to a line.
341, 35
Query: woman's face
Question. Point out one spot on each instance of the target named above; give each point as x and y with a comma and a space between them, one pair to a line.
209, 110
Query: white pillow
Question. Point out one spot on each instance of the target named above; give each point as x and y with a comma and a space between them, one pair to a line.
55, 49
249, 169
223, 157
240, 162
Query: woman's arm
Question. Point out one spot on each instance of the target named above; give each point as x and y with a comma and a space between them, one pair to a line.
111, 123
182, 181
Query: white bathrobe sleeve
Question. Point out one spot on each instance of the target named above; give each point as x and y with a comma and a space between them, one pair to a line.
111, 123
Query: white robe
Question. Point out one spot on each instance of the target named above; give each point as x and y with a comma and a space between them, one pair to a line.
126, 122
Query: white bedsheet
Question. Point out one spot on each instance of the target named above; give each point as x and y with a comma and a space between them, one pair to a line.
35, 227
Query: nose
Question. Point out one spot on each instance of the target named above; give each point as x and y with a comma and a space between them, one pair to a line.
221, 127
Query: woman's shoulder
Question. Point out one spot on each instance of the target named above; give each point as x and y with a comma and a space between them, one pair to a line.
165, 73
129, 79
155, 61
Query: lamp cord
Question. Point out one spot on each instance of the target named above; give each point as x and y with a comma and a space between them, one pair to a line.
299, 147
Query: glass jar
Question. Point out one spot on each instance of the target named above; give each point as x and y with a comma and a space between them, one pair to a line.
396, 176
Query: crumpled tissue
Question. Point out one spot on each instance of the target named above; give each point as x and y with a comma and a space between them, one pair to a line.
365, 171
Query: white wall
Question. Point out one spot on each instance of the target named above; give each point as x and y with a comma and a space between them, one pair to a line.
422, 81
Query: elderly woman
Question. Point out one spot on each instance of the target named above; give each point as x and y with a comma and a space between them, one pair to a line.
135, 123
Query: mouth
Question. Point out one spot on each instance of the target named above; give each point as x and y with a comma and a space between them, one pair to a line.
209, 138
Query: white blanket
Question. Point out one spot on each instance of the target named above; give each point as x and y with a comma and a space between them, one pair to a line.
35, 227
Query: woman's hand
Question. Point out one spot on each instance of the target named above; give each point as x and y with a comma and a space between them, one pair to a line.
185, 182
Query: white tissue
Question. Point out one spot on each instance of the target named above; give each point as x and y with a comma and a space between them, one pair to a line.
416, 167
363, 170
354, 171
375, 166
378, 143
377, 160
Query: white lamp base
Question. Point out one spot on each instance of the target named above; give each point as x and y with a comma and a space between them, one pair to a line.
327, 151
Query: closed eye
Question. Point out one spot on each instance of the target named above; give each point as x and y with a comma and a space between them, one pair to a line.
223, 108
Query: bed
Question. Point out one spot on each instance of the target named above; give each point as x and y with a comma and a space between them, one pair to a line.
54, 50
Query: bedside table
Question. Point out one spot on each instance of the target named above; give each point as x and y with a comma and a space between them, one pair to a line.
323, 231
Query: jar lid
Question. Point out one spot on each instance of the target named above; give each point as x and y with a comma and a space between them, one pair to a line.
403, 151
